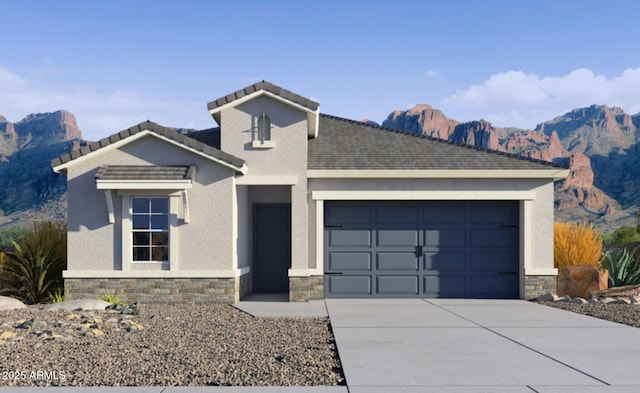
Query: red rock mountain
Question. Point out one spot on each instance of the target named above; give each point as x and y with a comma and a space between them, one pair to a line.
599, 143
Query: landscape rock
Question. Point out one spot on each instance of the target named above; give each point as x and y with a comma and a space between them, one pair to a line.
624, 291
580, 281
78, 304
206, 345
579, 300
547, 297
9, 303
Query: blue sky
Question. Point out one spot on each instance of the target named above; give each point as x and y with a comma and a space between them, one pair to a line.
515, 63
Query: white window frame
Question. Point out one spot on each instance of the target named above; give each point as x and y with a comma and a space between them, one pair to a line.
127, 228
150, 231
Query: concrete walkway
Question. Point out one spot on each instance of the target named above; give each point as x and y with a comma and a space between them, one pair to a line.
449, 345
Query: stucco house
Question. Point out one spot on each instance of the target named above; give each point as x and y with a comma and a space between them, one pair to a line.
282, 198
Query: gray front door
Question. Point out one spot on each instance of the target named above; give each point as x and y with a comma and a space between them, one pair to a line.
421, 249
271, 248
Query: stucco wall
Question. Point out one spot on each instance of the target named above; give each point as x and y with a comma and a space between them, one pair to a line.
205, 243
287, 158
536, 243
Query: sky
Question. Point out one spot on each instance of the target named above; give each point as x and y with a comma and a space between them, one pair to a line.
116, 63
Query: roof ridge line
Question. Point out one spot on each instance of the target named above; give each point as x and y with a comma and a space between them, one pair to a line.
447, 141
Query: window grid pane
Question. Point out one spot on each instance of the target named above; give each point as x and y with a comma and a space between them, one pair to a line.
150, 229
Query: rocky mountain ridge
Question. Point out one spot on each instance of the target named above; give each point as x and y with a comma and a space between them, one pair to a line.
599, 143
30, 190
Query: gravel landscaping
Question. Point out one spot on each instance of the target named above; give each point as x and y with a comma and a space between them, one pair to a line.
627, 314
166, 345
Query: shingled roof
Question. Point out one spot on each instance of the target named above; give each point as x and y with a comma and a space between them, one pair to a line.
268, 87
146, 172
348, 144
207, 150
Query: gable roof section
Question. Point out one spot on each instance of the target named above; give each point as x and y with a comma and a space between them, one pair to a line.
146, 172
276, 92
348, 145
60, 164
122, 177
267, 87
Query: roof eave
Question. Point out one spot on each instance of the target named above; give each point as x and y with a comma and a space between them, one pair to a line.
551, 173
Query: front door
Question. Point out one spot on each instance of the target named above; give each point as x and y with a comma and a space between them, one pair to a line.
271, 248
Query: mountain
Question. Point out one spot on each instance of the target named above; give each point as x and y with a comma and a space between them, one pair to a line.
599, 143
29, 189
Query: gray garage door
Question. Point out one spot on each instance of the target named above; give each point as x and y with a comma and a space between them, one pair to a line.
421, 249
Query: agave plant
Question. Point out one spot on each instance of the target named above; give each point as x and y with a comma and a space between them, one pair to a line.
623, 267
31, 273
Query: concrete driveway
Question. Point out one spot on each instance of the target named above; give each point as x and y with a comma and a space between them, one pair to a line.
451, 345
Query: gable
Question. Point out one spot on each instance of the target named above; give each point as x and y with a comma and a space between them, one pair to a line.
264, 88
142, 130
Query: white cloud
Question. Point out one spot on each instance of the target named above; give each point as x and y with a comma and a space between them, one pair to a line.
98, 113
523, 100
433, 74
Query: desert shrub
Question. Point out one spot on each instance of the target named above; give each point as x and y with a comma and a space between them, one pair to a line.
111, 298
623, 267
15, 234
57, 296
33, 271
625, 234
576, 244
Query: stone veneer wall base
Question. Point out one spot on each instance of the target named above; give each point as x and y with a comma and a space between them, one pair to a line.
535, 286
303, 289
157, 290
245, 285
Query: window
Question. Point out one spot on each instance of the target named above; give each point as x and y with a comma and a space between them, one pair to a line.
264, 128
150, 227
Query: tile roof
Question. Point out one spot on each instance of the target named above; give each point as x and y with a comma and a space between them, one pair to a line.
349, 144
209, 136
266, 86
201, 147
146, 172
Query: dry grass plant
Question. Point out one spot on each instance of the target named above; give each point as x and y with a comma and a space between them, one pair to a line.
576, 244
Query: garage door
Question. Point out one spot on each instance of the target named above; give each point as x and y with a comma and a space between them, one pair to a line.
421, 249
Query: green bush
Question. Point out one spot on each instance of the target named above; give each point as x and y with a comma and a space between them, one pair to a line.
625, 234
33, 271
623, 267
111, 299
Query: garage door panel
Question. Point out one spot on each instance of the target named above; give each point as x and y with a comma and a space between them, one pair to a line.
492, 237
492, 214
350, 238
397, 215
349, 214
497, 261
349, 261
492, 286
444, 214
422, 249
397, 285
397, 237
445, 285
400, 261
445, 261
349, 285
445, 238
